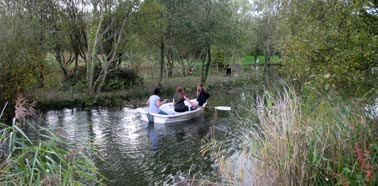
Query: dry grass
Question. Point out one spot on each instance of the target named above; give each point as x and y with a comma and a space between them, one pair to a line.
295, 144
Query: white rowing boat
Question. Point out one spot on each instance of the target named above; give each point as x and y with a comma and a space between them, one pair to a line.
172, 116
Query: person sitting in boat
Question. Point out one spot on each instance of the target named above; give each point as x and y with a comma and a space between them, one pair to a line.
179, 100
202, 95
154, 102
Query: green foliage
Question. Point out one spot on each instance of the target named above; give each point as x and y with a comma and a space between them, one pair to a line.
327, 141
32, 33
76, 82
330, 43
43, 162
219, 56
152, 21
24, 43
122, 79
20, 62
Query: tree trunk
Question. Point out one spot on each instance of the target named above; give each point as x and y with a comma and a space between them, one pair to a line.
207, 44
161, 61
119, 59
203, 58
207, 65
170, 62
76, 65
59, 59
92, 55
266, 51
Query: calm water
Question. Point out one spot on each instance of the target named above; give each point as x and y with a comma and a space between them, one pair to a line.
133, 152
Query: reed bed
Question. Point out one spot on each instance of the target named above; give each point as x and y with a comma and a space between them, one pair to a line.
43, 158
291, 142
43, 162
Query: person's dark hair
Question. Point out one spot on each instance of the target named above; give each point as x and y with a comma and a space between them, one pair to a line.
200, 84
157, 91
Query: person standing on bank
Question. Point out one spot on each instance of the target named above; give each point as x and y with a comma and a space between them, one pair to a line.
202, 95
154, 102
179, 100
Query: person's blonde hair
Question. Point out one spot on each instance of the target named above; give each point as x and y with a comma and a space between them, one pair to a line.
180, 92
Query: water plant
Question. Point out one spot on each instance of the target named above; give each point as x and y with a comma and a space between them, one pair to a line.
42, 159
292, 142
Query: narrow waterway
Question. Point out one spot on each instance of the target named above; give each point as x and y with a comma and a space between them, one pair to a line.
133, 152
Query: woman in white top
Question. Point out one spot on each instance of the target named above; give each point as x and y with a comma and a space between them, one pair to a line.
154, 102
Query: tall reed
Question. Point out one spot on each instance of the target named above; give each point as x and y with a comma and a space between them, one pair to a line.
292, 142
46, 160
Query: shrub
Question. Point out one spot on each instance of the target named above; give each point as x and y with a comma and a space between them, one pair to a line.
121, 79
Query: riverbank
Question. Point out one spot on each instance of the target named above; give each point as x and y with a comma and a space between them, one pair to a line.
135, 96
288, 139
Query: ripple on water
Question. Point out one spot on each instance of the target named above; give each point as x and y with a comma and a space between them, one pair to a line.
132, 152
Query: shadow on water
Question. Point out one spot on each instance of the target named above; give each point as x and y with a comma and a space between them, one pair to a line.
181, 131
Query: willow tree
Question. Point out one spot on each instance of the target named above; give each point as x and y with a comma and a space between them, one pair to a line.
105, 32
331, 43
24, 44
69, 34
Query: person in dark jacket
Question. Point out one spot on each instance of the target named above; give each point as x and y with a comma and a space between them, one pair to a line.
179, 100
202, 95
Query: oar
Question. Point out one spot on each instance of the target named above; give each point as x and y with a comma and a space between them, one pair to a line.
224, 108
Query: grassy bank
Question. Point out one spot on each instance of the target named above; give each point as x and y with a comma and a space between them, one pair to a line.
329, 141
134, 96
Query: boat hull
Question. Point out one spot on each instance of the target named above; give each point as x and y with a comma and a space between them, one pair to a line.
172, 116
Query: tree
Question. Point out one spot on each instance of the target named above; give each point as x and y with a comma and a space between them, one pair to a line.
69, 35
331, 42
207, 27
152, 26
104, 40
266, 28
24, 45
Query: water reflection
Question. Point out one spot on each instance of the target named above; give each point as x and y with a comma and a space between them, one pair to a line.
153, 135
132, 152
65, 122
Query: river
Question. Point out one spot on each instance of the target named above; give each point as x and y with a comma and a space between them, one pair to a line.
133, 152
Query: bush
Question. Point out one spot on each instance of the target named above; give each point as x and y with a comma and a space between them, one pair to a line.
121, 79
76, 82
